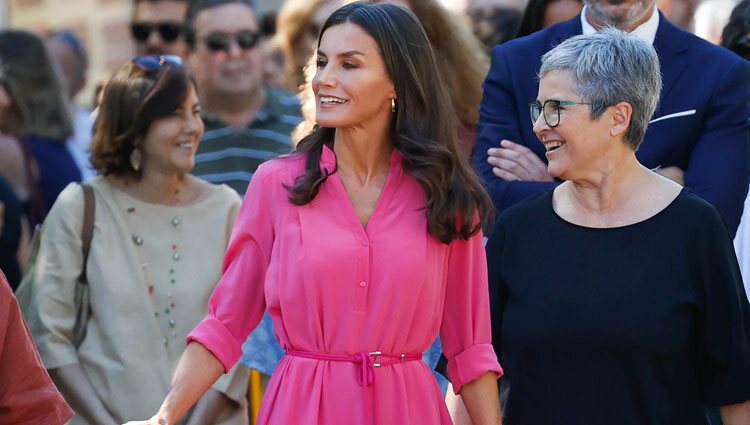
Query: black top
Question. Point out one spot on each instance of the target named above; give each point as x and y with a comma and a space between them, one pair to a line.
636, 325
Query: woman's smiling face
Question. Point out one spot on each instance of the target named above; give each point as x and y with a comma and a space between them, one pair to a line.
351, 85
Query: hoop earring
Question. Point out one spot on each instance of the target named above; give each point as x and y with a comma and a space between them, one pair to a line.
393, 104
135, 159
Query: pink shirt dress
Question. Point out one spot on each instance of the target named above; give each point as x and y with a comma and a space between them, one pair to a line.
336, 289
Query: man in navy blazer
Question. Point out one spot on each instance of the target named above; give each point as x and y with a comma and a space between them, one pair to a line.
700, 131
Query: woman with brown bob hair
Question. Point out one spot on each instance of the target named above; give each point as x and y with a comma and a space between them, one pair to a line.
158, 242
363, 245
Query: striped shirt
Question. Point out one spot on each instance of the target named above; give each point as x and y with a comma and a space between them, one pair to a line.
229, 156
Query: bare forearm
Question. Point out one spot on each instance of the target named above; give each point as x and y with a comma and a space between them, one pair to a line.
736, 414
481, 400
197, 371
78, 392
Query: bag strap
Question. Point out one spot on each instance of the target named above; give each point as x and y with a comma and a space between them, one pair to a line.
89, 213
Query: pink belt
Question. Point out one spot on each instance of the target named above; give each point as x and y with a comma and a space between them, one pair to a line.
367, 363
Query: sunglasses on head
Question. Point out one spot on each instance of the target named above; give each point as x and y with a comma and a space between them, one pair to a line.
168, 31
221, 41
154, 62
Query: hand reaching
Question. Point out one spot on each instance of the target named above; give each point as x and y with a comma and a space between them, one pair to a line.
512, 162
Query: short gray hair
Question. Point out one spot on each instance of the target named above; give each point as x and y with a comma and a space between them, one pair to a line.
609, 67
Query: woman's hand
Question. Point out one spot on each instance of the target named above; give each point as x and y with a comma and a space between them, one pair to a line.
153, 421
512, 161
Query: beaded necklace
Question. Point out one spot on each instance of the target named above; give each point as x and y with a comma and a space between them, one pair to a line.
164, 284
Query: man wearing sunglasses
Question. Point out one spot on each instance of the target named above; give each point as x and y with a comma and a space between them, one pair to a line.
157, 27
246, 121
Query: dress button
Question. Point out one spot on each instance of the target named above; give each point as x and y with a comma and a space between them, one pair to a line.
363, 284
364, 243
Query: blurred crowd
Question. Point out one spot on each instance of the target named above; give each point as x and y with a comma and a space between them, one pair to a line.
246, 96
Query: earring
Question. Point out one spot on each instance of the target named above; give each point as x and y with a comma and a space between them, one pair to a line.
393, 104
135, 159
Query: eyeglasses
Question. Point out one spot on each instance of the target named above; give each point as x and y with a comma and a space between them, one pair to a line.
221, 41
154, 62
551, 109
168, 31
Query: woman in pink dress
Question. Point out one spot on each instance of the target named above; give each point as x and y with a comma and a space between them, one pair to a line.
362, 245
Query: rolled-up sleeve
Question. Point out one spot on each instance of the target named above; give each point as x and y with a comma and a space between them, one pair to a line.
237, 303
466, 331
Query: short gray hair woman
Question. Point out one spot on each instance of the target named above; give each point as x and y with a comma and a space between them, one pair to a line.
634, 311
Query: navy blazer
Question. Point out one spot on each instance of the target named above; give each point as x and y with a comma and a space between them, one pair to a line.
712, 145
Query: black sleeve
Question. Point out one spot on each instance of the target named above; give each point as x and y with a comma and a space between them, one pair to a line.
494, 248
725, 349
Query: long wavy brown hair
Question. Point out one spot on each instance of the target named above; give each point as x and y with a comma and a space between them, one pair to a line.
423, 128
461, 59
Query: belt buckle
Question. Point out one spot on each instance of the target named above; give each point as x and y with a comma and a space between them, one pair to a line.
375, 354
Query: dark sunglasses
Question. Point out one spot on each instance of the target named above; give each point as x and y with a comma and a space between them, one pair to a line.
154, 62
168, 31
221, 41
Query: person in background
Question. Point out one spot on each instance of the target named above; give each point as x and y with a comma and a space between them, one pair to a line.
616, 297
41, 120
247, 122
158, 241
700, 129
494, 24
156, 27
711, 17
540, 14
376, 196
679, 12
69, 54
298, 24
274, 60
27, 394
14, 228
736, 35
